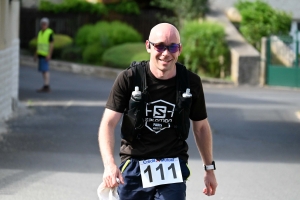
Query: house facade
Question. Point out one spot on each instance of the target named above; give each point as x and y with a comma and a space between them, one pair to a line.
9, 56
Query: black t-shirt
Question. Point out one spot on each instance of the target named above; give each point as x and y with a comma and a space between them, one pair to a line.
157, 140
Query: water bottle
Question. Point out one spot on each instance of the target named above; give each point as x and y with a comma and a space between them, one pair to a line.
187, 93
136, 95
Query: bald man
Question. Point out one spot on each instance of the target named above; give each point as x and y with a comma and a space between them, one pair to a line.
157, 99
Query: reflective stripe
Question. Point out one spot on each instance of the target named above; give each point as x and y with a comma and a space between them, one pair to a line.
125, 165
189, 170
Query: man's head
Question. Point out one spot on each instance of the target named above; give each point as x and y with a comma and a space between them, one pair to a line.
164, 47
44, 23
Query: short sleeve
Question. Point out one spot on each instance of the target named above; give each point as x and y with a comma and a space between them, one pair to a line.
120, 93
51, 39
198, 107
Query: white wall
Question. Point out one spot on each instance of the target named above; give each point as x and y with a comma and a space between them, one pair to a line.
9, 56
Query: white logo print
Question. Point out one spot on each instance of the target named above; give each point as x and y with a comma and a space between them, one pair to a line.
159, 115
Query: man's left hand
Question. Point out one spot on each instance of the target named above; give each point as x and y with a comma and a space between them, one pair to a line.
48, 57
210, 183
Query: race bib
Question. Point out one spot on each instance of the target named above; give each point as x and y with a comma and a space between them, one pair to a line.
158, 172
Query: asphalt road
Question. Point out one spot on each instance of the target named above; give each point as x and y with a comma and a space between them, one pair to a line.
52, 152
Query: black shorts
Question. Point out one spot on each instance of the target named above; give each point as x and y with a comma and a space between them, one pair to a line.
133, 187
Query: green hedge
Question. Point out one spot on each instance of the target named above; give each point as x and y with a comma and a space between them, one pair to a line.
259, 19
82, 6
95, 39
122, 55
60, 42
204, 48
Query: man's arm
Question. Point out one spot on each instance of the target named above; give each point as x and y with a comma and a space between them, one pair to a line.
106, 140
51, 46
203, 138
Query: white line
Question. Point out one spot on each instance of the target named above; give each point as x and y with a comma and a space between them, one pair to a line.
298, 114
250, 106
66, 103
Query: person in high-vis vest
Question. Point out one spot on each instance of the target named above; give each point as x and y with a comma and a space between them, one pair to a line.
44, 51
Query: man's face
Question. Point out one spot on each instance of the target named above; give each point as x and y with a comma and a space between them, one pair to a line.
163, 61
44, 26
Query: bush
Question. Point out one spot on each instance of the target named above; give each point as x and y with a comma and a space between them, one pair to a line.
72, 53
122, 55
82, 6
103, 35
60, 41
259, 19
81, 38
204, 48
183, 10
92, 54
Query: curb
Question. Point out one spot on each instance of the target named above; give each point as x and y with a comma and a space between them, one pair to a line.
100, 71
103, 72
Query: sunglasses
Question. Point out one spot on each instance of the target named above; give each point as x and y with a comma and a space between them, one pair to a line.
159, 47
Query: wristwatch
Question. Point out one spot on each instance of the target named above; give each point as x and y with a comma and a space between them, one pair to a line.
210, 167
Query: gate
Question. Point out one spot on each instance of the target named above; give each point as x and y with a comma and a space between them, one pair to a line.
282, 62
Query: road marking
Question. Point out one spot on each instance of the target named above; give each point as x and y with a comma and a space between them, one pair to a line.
298, 114
66, 104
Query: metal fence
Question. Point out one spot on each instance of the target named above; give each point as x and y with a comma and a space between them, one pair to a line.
69, 23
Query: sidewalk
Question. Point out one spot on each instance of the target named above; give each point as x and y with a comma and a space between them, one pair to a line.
99, 71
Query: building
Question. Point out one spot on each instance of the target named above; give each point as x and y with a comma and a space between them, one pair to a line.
9, 56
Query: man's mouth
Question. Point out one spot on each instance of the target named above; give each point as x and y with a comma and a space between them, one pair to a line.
166, 61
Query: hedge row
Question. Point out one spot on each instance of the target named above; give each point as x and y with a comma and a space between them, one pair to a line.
259, 19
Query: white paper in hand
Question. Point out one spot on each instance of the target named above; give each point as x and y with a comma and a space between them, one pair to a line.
105, 193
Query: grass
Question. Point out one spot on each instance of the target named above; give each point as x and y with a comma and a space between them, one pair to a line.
122, 55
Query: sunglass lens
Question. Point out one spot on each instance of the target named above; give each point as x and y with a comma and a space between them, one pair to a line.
173, 48
160, 47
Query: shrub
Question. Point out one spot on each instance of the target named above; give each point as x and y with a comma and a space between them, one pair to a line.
183, 10
204, 48
104, 35
82, 6
92, 54
114, 33
259, 19
81, 38
72, 53
60, 41
122, 55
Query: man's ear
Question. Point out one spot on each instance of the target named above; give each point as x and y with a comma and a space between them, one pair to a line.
148, 48
180, 50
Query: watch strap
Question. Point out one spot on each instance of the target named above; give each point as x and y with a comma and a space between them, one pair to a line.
210, 167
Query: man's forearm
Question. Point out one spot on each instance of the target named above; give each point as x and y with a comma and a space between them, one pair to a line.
203, 138
51, 49
106, 142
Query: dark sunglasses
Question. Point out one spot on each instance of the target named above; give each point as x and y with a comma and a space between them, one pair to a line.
159, 47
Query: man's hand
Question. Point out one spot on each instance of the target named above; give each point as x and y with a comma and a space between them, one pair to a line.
210, 183
111, 173
48, 57
35, 57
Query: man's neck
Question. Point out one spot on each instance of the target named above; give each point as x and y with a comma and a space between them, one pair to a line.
163, 75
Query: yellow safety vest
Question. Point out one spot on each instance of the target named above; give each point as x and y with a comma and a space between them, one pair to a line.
43, 44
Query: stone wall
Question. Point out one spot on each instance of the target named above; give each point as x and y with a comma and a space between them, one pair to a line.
245, 59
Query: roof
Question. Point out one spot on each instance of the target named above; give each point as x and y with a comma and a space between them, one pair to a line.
290, 6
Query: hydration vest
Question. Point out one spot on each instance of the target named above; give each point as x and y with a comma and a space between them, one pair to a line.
133, 117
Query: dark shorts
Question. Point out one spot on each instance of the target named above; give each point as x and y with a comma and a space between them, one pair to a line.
133, 187
43, 65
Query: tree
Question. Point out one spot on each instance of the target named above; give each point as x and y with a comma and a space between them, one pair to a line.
183, 10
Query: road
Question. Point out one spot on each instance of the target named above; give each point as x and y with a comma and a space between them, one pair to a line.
52, 152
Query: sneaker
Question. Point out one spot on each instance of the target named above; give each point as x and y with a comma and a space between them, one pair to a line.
44, 89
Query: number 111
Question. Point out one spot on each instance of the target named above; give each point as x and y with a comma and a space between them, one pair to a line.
162, 175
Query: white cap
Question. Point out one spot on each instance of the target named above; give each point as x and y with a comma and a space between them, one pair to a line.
45, 20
